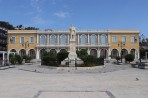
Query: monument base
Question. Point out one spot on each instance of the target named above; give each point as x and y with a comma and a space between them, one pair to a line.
72, 60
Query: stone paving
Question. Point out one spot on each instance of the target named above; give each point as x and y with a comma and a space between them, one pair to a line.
120, 82
99, 69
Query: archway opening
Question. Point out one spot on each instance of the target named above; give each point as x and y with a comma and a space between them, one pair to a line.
103, 53
42, 51
32, 53
62, 50
22, 52
114, 53
53, 51
124, 52
13, 50
93, 52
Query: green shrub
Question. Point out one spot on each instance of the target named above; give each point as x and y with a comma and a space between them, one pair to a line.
129, 57
82, 54
19, 59
49, 59
13, 60
62, 56
100, 61
91, 59
16, 59
27, 58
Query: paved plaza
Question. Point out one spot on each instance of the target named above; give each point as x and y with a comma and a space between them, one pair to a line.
111, 81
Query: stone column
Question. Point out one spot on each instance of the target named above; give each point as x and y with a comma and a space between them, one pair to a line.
109, 54
37, 54
108, 39
58, 38
68, 39
98, 42
88, 51
98, 53
8, 57
78, 38
119, 52
37, 39
27, 51
138, 55
88, 38
48, 39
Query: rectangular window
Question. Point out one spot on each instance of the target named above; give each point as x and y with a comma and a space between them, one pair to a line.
114, 40
22, 40
12, 40
133, 39
123, 39
31, 39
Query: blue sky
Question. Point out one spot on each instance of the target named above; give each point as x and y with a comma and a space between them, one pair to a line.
83, 14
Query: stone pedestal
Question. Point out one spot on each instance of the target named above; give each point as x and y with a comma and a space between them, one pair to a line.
72, 57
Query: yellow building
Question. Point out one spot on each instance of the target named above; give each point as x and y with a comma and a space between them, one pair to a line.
125, 40
108, 43
22, 41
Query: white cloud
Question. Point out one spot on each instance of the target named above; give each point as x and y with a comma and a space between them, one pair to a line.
61, 14
36, 5
37, 20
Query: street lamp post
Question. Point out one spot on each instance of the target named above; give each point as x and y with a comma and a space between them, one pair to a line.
121, 44
25, 45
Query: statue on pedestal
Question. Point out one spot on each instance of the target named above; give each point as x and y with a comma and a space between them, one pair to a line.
72, 57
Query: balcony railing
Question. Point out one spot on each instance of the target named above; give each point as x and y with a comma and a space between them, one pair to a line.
77, 45
93, 45
52, 45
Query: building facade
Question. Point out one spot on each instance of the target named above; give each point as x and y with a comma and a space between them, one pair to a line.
98, 43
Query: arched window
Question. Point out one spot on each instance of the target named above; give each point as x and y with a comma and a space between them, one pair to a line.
93, 39
83, 39
103, 39
63, 39
53, 39
43, 39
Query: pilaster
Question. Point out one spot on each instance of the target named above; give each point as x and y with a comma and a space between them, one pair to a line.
88, 39
37, 39
37, 54
47, 39
58, 39
78, 38
98, 53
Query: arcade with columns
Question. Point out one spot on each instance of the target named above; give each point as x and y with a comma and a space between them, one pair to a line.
98, 43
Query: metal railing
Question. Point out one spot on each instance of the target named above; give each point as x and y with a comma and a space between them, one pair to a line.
78, 45
52, 45
96, 45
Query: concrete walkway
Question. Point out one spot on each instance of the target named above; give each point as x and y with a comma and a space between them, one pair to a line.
126, 83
